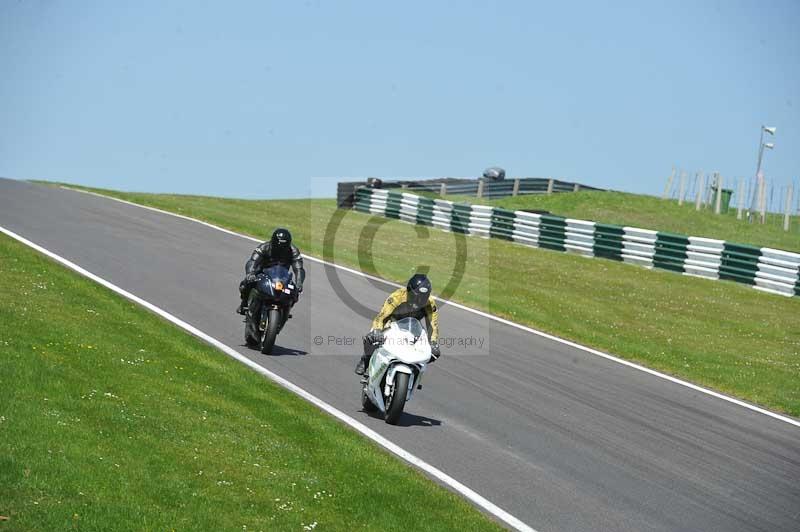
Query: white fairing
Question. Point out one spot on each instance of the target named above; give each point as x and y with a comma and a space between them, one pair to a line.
405, 349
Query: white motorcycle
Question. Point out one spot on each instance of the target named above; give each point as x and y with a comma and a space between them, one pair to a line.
396, 369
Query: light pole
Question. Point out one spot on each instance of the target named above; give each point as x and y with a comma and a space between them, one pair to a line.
757, 190
762, 145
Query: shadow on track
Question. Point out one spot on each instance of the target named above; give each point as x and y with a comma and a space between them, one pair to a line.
278, 351
409, 420
284, 351
413, 420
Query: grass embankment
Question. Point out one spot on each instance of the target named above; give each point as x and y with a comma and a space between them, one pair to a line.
648, 212
112, 419
719, 334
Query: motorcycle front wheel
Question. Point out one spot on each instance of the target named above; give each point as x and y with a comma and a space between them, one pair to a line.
249, 340
366, 403
251, 336
271, 331
398, 400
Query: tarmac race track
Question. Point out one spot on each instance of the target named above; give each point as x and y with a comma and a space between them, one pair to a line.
558, 437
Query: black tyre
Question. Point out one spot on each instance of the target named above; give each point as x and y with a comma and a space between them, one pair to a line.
398, 400
251, 336
271, 332
366, 402
248, 339
251, 331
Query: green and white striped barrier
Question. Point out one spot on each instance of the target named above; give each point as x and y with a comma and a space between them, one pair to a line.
770, 270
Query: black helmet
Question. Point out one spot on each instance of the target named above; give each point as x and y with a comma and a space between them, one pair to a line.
419, 290
281, 240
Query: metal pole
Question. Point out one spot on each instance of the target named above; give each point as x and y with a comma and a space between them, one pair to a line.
550, 185
682, 187
443, 189
760, 150
480, 188
759, 194
576, 187
757, 206
763, 206
515, 190
719, 195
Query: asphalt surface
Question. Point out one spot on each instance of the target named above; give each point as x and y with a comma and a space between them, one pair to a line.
560, 438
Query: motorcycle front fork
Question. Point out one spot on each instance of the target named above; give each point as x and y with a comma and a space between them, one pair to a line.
265, 312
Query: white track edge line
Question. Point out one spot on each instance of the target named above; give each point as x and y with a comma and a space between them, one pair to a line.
440, 475
498, 319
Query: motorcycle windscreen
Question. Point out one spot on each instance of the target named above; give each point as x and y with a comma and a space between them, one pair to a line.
413, 326
278, 273
407, 341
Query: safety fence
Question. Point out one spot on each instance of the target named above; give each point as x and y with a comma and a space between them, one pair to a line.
479, 188
770, 270
487, 188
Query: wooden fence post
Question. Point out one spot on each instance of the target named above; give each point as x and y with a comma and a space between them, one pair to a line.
788, 209
757, 196
741, 199
549, 185
669, 183
576, 187
480, 188
443, 189
709, 196
701, 187
515, 190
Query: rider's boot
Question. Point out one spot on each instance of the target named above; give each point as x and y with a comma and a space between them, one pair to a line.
243, 290
362, 364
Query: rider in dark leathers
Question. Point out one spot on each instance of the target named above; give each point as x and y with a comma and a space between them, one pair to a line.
277, 250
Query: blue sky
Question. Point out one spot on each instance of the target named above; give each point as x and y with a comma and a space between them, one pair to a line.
258, 99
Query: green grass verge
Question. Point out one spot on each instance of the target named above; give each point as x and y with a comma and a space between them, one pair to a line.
649, 212
113, 419
719, 334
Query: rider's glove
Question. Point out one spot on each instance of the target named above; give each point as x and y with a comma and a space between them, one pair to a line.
435, 351
375, 336
250, 277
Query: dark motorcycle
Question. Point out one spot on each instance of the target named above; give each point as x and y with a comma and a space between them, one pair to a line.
268, 306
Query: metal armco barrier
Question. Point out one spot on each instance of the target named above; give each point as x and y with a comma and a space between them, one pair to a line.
469, 186
766, 269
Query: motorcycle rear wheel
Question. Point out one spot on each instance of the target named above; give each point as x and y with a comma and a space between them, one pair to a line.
271, 331
398, 400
